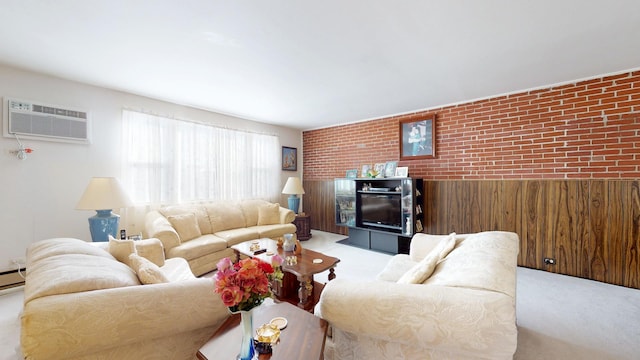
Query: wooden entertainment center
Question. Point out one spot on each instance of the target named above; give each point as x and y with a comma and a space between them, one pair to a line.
381, 213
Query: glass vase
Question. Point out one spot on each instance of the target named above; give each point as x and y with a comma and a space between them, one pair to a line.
247, 349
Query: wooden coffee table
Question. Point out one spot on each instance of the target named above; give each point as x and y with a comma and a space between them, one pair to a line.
308, 263
303, 338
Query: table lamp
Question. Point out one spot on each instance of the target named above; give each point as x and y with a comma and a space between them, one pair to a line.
293, 187
102, 195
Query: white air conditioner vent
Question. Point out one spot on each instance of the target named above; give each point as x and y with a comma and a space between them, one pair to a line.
32, 120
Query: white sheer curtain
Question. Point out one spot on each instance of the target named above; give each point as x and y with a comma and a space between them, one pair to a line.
168, 161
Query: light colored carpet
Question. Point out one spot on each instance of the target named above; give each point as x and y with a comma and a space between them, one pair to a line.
559, 317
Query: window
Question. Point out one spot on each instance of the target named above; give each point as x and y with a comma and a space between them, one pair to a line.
168, 161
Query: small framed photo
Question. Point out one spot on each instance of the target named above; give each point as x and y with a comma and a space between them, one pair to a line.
390, 168
379, 168
418, 138
289, 158
365, 170
402, 171
352, 174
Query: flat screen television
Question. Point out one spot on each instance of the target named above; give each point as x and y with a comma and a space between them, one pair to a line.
381, 210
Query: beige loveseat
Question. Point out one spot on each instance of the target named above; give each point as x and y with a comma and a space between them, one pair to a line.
202, 234
82, 303
465, 309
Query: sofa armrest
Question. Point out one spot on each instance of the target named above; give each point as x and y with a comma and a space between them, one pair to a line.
93, 320
449, 318
286, 215
158, 226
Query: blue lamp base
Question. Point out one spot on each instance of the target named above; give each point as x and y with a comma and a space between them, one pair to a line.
103, 223
294, 203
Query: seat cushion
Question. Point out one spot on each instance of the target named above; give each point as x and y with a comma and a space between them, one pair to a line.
236, 236
205, 244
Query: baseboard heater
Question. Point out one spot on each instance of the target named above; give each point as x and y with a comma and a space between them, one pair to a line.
11, 278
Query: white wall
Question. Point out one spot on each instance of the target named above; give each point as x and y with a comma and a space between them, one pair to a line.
38, 195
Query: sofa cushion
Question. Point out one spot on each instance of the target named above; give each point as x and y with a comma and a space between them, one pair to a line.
121, 249
73, 273
186, 225
395, 268
422, 244
466, 265
151, 249
250, 210
205, 244
148, 272
225, 216
236, 236
201, 215
274, 231
269, 214
423, 269
58, 246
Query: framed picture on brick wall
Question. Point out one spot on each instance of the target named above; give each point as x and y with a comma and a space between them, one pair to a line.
418, 138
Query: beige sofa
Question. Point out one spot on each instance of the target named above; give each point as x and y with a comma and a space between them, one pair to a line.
465, 309
82, 303
203, 234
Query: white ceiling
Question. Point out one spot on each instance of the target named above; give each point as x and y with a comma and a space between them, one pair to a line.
312, 64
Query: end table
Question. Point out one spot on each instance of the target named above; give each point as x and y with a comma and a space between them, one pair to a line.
303, 226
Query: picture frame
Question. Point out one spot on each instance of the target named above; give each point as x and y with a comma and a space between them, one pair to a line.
418, 138
365, 170
379, 168
289, 158
352, 173
402, 171
390, 168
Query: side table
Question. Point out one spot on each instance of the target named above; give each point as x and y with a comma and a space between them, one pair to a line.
303, 226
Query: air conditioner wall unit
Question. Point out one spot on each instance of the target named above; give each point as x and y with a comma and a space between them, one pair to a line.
37, 121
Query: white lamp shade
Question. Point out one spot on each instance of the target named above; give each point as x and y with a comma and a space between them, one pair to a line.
103, 193
293, 186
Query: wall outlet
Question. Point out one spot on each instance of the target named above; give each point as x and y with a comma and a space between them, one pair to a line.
550, 261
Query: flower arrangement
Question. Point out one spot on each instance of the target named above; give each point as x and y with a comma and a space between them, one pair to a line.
245, 284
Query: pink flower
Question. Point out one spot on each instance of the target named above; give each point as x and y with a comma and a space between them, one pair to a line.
276, 260
231, 296
224, 264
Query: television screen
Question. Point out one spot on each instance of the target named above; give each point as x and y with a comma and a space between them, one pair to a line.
380, 209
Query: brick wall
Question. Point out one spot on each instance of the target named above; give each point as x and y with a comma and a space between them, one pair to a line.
590, 129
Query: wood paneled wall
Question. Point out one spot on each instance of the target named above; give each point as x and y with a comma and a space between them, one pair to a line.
590, 227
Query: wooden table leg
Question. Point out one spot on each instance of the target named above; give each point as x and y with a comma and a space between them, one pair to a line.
305, 291
237, 255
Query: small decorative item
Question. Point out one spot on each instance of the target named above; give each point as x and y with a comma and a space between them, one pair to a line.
243, 286
365, 170
289, 158
372, 173
352, 174
298, 250
390, 168
380, 170
418, 138
289, 244
402, 171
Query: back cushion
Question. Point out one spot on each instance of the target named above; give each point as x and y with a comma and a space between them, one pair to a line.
250, 210
225, 216
200, 212
186, 225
